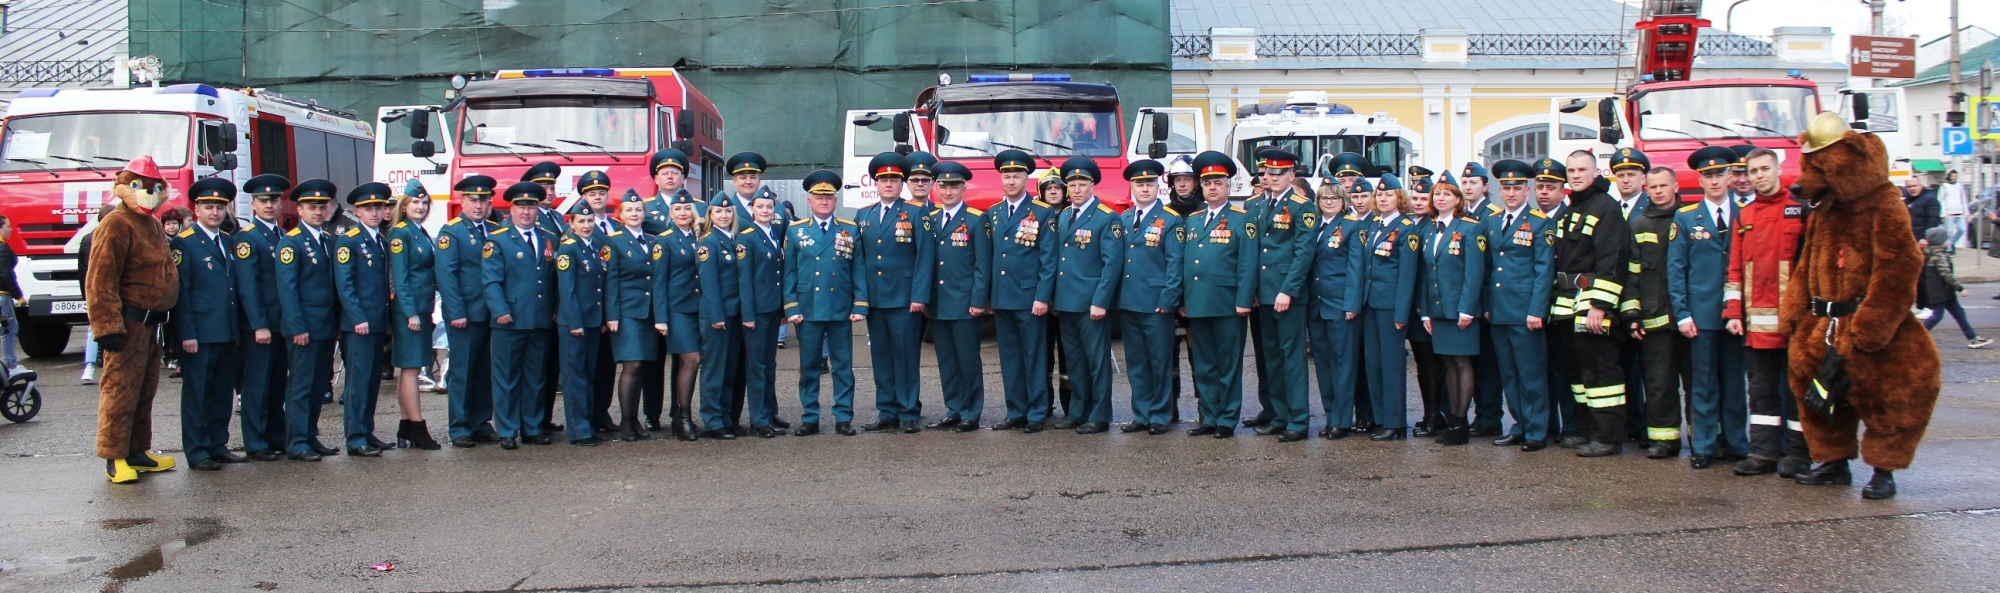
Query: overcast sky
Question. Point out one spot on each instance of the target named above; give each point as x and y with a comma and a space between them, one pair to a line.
1926, 18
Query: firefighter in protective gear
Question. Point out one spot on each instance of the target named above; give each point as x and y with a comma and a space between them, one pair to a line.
1647, 313
1760, 261
1591, 246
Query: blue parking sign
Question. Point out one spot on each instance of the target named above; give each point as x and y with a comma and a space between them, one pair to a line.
1958, 141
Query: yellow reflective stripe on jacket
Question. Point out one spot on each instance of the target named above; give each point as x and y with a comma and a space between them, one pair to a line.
1629, 305
1646, 238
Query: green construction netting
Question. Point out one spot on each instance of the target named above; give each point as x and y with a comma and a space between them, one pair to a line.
782, 72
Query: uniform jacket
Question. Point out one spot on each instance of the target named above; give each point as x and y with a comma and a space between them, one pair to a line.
460, 277
720, 287
1454, 259
256, 256
1023, 271
412, 272
823, 271
761, 259
1328, 277
634, 266
890, 242
1384, 269
1090, 260
520, 279
954, 255
1219, 263
677, 283
1761, 255
1520, 258
659, 215
1152, 279
1647, 300
1285, 225
206, 311
1592, 243
361, 273
1698, 265
580, 280
306, 290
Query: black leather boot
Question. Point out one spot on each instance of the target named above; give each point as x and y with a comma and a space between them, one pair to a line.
419, 437
1455, 432
1826, 474
683, 427
1880, 487
403, 433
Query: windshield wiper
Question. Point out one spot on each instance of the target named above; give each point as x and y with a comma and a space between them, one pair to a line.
1025, 149
1739, 135
38, 165
1764, 129
553, 149
965, 147
86, 164
1690, 136
614, 158
112, 159
509, 150
1056, 146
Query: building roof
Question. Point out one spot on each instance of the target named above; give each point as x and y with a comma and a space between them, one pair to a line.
1353, 17
61, 43
1969, 62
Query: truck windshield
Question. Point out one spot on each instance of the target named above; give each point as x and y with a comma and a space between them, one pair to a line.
1384, 152
618, 124
1046, 128
1725, 112
68, 141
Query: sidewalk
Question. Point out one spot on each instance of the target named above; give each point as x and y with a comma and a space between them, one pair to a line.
1974, 266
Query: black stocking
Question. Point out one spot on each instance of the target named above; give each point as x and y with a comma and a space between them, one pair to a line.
1458, 379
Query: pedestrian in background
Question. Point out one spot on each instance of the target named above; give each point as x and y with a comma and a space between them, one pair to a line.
173, 219
1923, 204
1952, 207
12, 289
1938, 288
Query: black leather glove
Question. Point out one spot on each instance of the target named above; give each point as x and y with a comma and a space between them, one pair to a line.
111, 343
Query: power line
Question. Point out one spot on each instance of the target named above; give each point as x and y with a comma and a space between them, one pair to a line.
372, 30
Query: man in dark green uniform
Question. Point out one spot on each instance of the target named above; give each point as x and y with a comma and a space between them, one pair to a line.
1219, 279
205, 326
1286, 225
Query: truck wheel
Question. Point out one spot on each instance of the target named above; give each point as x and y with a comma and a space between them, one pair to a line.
43, 338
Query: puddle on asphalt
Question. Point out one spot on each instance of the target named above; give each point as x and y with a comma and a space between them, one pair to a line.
198, 530
117, 524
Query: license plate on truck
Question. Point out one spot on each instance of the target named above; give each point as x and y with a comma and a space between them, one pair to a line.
62, 307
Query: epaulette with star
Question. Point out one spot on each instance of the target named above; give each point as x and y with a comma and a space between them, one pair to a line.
1538, 213
1690, 207
187, 232
1039, 202
1106, 209
1238, 209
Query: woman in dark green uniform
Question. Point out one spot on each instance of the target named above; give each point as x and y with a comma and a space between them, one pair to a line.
677, 305
1454, 271
633, 261
413, 272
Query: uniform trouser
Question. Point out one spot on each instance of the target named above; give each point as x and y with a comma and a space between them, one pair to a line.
580, 358
364, 385
1522, 355
545, 399
305, 391
1487, 399
1086, 345
1149, 354
1597, 383
760, 368
1774, 417
1664, 355
1024, 366
1562, 400
960, 372
261, 385
1335, 352
1635, 385
600, 379
1218, 368
836, 339
1386, 362
895, 347
469, 381
721, 373
1284, 364
1182, 344
207, 379
1717, 406
517, 381
1053, 359
1265, 409
125, 394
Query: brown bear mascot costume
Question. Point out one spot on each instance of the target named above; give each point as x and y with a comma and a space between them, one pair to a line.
132, 285
1853, 286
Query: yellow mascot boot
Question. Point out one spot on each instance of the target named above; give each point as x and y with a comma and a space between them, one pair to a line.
120, 472
148, 462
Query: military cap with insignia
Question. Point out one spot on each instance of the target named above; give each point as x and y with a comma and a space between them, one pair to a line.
1389, 182
1630, 158
888, 164
1710, 158
1445, 177
313, 191
1144, 170
681, 197
1742, 151
1551, 170
669, 157
592, 179
371, 194
1348, 163
631, 195
581, 208
1419, 172
1512, 172
1182, 165
1013, 160
1077, 167
722, 201
951, 172
821, 182
268, 185
1476, 170
921, 163
1272, 157
478, 187
1214, 164
744, 162
1362, 186
214, 190
415, 189
528, 193
542, 172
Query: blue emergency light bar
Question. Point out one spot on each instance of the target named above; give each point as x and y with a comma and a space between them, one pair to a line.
190, 89
37, 93
559, 72
1018, 78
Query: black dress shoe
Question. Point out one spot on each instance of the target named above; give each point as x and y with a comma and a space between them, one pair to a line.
264, 455
307, 455
948, 422
463, 443
1386, 434
766, 432
1291, 436
1267, 430
321, 448
377, 443
1332, 433
1663, 450
1256, 422
1700, 461
1595, 449
1010, 424
911, 427
845, 429
1156, 429
1880, 487
1422, 430
480, 437
719, 433
590, 441
551, 428
207, 465
1754, 466
652, 424
603, 428
1201, 431
1065, 424
967, 426
1132, 427
1223, 432
1369, 426
806, 429
1533, 446
1510, 440
1829, 473
229, 457
509, 443
1093, 427
881, 426
1793, 468
1572, 441
1485, 431
539, 439
364, 451
1032, 428
780, 424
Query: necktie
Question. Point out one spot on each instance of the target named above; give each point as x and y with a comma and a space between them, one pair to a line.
1721, 220
1510, 222
822, 226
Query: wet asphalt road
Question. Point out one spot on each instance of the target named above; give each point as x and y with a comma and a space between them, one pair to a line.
991, 511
